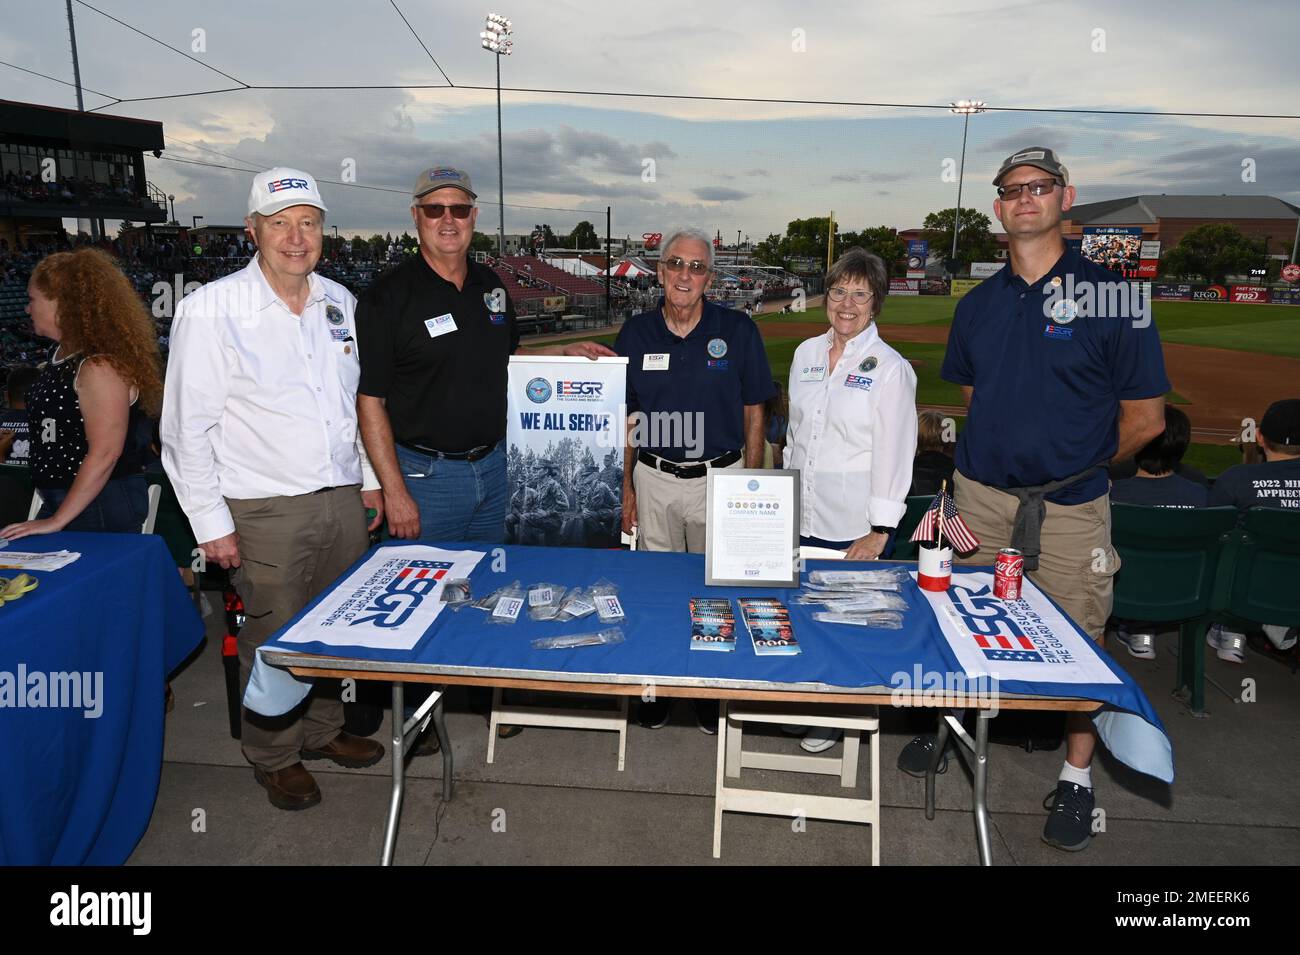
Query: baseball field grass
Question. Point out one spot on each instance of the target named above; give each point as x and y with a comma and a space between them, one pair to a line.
1269, 329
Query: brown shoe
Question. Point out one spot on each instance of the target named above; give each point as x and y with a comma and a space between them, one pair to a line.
289, 788
354, 752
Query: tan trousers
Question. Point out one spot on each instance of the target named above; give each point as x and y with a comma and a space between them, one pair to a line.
1077, 561
670, 511
291, 549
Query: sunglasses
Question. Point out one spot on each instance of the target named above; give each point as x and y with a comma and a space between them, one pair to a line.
435, 210
860, 295
677, 263
1036, 187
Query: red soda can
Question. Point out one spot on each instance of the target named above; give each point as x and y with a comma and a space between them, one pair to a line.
1008, 570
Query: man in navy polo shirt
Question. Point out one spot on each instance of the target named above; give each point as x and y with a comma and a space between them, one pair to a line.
1061, 368
697, 378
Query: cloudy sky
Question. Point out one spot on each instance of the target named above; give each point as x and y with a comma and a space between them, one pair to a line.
661, 161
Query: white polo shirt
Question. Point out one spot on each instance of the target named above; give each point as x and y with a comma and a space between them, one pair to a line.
852, 435
260, 402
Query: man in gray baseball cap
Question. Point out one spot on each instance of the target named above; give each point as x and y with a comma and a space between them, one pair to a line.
1028, 338
1040, 157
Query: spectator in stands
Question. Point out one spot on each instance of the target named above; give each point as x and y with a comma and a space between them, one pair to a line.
90, 402
688, 360
260, 441
1156, 484
1275, 484
1157, 481
852, 426
933, 464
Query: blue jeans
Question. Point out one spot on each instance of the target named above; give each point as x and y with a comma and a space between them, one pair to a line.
458, 500
120, 508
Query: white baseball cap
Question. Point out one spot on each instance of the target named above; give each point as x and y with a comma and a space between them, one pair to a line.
280, 188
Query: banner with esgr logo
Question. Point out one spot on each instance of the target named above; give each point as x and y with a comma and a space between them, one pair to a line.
388, 602
1026, 639
564, 459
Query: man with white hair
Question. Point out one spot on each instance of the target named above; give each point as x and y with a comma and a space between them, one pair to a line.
260, 440
697, 378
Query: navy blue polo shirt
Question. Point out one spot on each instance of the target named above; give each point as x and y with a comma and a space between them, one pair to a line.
1050, 363
717, 369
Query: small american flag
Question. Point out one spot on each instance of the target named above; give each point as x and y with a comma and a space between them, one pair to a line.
954, 528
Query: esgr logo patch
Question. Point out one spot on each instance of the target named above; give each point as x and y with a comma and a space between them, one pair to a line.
538, 391
992, 628
403, 593
279, 185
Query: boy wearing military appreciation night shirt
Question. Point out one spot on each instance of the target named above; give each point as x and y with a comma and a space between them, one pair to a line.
1276, 484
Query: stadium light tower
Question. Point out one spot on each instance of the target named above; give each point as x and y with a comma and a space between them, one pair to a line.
496, 40
964, 108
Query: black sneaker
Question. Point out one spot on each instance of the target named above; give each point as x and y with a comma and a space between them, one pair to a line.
1069, 826
915, 756
652, 716
706, 716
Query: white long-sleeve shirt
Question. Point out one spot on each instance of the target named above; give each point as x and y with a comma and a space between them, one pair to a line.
852, 435
260, 402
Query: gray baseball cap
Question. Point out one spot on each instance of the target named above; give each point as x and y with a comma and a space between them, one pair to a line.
440, 177
1038, 156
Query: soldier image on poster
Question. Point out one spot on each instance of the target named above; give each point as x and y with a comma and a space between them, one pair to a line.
542, 516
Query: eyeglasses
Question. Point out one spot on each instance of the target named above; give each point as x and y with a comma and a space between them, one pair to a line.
434, 210
1036, 187
861, 296
677, 263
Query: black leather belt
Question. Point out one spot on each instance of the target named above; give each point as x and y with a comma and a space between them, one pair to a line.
473, 454
677, 470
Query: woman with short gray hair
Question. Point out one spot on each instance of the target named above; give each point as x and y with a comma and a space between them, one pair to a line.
852, 433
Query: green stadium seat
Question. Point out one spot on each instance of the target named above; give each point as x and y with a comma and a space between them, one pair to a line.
1261, 566
1170, 561
917, 505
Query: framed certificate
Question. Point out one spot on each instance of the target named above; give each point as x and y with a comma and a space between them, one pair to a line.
752, 528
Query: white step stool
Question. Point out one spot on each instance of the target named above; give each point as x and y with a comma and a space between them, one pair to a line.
732, 757
519, 714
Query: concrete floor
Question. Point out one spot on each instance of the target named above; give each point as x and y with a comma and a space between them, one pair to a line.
555, 796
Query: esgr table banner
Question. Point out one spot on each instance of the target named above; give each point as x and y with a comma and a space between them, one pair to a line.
565, 435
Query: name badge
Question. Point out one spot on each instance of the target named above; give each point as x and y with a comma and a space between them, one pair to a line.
654, 362
440, 325
813, 373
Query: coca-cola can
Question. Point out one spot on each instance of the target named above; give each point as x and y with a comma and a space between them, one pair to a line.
1008, 570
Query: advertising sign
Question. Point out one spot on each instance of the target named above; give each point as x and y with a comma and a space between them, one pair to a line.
983, 270
1251, 294
904, 287
1118, 248
1209, 293
918, 253
961, 286
1171, 291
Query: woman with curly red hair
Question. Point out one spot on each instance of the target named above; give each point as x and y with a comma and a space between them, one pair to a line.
89, 407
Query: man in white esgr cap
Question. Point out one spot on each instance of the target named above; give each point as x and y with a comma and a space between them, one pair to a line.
260, 439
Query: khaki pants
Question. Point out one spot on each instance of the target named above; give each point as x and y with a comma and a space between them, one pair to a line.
1077, 561
670, 511
291, 548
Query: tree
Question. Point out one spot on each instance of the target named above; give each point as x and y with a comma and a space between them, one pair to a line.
975, 243
584, 236
482, 242
1212, 252
771, 251
882, 240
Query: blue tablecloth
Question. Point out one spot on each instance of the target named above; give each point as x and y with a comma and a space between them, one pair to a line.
76, 790
655, 589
